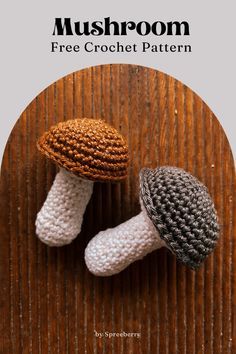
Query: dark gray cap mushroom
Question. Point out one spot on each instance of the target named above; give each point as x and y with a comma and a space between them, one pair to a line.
177, 213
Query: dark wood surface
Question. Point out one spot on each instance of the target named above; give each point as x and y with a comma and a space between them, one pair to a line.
49, 302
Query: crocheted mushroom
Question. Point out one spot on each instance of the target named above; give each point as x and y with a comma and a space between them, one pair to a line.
86, 150
177, 213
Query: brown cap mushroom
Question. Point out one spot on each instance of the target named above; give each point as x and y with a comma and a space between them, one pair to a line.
86, 150
90, 148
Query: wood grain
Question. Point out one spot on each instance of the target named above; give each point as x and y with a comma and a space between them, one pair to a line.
49, 302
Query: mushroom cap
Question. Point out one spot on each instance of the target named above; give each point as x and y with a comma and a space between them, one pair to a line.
182, 211
90, 148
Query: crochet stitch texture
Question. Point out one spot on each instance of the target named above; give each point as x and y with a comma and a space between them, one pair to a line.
182, 211
60, 219
89, 148
111, 251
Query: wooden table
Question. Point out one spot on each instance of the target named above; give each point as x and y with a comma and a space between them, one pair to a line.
50, 303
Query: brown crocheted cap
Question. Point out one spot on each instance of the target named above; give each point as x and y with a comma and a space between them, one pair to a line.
89, 148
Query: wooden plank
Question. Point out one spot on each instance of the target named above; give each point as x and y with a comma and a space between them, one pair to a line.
49, 301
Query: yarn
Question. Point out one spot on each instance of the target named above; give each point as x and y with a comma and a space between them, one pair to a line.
59, 221
111, 251
89, 148
182, 211
177, 212
86, 148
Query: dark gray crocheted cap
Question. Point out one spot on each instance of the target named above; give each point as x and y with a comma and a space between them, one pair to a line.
182, 211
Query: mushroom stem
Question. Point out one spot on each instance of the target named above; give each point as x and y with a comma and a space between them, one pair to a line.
111, 251
60, 219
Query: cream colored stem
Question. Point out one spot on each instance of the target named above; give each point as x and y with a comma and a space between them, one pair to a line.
60, 219
111, 251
